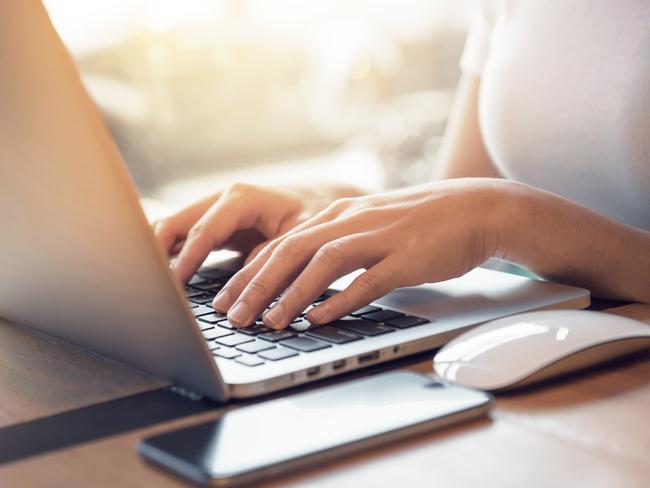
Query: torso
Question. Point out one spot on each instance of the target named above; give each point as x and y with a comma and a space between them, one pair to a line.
565, 101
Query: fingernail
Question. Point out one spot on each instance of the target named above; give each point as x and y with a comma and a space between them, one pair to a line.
222, 301
276, 317
240, 313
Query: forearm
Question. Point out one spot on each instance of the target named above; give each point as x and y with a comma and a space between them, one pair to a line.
565, 242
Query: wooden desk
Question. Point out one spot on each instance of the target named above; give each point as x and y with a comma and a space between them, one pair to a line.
592, 430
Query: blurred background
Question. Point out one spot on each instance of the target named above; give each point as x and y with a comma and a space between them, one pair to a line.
200, 93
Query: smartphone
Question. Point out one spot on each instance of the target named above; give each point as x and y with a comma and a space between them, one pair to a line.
278, 436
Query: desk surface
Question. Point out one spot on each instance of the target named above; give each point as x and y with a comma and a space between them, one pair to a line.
593, 430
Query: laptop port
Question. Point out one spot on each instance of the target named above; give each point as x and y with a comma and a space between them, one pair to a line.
371, 356
338, 364
313, 371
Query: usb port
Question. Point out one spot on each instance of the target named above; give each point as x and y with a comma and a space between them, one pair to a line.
313, 371
338, 364
371, 356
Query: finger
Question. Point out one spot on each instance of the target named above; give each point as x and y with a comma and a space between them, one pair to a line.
331, 261
210, 231
287, 225
255, 251
171, 229
236, 285
286, 262
254, 287
177, 248
367, 287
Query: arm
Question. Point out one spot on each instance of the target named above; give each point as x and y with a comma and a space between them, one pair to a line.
565, 242
463, 153
436, 232
552, 236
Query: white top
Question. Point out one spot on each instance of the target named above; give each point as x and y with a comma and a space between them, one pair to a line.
565, 98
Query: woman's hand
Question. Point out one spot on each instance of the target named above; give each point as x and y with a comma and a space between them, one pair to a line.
243, 218
424, 234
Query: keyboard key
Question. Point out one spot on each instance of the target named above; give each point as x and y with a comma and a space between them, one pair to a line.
321, 298
256, 346
202, 298
277, 353
215, 333
213, 346
189, 291
406, 322
255, 330
300, 325
364, 310
214, 273
200, 310
305, 344
277, 335
211, 286
226, 352
306, 311
212, 318
381, 315
362, 327
249, 360
333, 335
195, 280
204, 325
234, 339
226, 324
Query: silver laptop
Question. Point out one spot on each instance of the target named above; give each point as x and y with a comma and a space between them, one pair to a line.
78, 261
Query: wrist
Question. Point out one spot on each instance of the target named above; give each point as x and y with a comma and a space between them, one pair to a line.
512, 215
532, 229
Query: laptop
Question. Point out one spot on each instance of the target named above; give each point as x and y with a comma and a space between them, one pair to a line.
79, 261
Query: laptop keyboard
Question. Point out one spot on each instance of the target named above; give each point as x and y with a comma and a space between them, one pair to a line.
256, 345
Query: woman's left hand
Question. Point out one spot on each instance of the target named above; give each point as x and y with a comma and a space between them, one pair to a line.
402, 238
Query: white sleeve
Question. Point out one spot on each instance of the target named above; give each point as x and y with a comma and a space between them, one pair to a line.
477, 44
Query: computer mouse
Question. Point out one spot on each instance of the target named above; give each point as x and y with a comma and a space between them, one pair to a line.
525, 348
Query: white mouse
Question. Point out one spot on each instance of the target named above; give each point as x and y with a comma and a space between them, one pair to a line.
529, 347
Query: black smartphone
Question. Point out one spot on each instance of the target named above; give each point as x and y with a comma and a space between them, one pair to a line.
276, 436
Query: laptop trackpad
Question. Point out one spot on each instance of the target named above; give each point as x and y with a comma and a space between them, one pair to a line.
482, 291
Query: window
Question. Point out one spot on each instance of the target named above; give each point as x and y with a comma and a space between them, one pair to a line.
198, 92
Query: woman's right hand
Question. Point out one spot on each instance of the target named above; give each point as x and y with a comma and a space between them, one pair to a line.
242, 218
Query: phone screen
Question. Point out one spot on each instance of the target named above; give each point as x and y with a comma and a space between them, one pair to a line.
250, 439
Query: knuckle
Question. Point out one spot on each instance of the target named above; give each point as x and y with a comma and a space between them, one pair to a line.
239, 188
342, 203
164, 225
367, 282
331, 253
370, 213
296, 293
257, 287
341, 301
239, 279
330, 211
337, 206
265, 252
197, 231
289, 247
